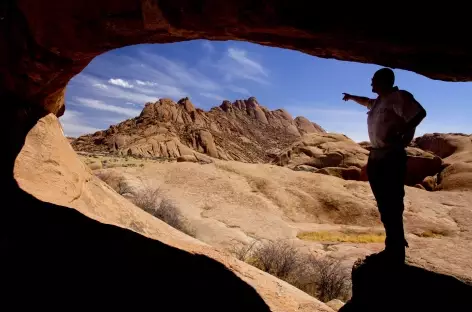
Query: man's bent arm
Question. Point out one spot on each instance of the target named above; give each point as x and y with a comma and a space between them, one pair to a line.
362, 100
411, 125
411, 111
406, 131
415, 121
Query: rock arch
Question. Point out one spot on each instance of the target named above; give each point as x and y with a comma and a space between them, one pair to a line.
50, 250
44, 44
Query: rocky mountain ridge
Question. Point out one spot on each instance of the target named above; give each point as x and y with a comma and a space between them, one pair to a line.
248, 132
243, 130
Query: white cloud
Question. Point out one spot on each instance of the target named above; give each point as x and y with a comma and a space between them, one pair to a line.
159, 91
120, 82
212, 96
236, 64
237, 89
206, 44
240, 56
100, 85
73, 124
146, 83
96, 104
139, 94
183, 75
150, 76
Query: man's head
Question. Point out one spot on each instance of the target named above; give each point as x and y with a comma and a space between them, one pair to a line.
383, 81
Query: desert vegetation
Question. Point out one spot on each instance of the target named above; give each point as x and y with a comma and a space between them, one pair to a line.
104, 161
150, 200
322, 277
343, 236
435, 233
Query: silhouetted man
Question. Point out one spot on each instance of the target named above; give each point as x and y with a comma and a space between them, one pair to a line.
392, 119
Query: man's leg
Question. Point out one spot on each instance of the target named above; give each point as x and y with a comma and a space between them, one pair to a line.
386, 177
392, 209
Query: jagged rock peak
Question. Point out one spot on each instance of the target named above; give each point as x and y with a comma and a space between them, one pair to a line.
185, 102
243, 130
226, 106
250, 103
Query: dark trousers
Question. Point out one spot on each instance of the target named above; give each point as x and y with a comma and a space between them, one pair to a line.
386, 170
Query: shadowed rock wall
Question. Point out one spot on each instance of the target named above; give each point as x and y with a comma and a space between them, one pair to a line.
45, 43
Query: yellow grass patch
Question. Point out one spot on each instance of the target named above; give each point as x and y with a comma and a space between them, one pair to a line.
102, 161
432, 234
348, 237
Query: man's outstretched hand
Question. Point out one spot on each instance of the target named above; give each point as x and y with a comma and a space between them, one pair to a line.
362, 100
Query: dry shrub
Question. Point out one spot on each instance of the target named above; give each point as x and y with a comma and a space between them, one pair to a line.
118, 183
279, 258
148, 198
170, 214
123, 187
324, 278
104, 175
243, 252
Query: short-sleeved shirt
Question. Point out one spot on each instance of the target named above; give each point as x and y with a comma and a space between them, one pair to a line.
388, 113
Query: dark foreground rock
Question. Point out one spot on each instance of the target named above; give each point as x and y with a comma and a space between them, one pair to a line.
379, 287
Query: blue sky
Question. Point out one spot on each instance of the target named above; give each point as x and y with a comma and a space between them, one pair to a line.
116, 85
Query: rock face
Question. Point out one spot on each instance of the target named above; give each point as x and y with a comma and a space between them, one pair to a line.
456, 150
243, 131
351, 173
337, 155
335, 304
322, 150
421, 164
457, 176
452, 147
71, 249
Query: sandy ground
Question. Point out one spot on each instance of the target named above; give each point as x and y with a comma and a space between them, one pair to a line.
231, 203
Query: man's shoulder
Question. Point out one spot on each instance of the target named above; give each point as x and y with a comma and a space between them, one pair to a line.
404, 92
404, 95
